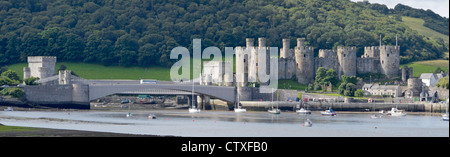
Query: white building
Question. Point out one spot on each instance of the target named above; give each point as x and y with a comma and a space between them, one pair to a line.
429, 79
377, 89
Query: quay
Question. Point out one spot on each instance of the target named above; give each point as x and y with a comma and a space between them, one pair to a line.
357, 107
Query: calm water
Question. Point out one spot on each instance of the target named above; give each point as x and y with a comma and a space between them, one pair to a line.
225, 124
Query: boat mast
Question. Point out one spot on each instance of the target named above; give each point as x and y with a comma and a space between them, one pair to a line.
192, 101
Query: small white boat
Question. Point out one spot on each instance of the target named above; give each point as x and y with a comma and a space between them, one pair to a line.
129, 114
303, 111
240, 110
328, 112
396, 113
151, 116
445, 117
274, 111
375, 116
9, 109
307, 123
194, 110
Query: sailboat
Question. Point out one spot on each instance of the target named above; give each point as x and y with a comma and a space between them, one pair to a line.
303, 110
274, 110
237, 107
193, 108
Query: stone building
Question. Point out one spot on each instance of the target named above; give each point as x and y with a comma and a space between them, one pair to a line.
39, 66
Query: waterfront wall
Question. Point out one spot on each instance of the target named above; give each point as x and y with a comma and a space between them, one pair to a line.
60, 96
320, 106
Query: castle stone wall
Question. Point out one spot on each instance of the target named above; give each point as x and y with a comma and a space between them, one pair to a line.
327, 59
367, 65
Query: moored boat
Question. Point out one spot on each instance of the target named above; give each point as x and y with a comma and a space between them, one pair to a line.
307, 123
274, 111
194, 110
396, 112
328, 112
303, 111
240, 110
445, 117
151, 116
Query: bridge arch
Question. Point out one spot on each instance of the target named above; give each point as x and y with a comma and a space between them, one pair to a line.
219, 92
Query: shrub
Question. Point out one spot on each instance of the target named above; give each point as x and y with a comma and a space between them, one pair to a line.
14, 92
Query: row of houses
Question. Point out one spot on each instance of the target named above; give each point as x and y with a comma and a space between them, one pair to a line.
417, 88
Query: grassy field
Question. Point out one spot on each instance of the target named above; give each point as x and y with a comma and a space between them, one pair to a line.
417, 24
95, 71
428, 66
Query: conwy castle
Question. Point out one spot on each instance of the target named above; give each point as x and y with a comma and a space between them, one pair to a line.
300, 64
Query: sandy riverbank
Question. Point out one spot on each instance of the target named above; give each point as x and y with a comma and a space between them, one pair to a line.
13, 131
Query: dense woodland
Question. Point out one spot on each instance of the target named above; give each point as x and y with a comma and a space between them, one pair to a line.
143, 32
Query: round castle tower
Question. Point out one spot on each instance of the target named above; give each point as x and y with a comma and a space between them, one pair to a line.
304, 56
241, 67
347, 60
390, 60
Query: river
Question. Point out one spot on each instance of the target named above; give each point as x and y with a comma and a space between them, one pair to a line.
230, 124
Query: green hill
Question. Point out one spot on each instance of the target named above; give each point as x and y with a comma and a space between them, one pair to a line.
142, 33
95, 71
417, 24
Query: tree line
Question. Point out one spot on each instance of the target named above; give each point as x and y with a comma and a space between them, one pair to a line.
143, 32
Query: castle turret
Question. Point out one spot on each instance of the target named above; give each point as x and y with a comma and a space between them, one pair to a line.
252, 60
390, 60
347, 61
284, 53
241, 66
250, 42
304, 57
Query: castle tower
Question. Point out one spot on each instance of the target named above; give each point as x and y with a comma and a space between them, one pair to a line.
347, 61
41, 66
304, 57
284, 52
262, 47
390, 60
252, 60
241, 66
65, 77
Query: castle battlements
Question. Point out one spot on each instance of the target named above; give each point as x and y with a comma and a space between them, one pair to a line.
299, 62
40, 59
327, 53
389, 47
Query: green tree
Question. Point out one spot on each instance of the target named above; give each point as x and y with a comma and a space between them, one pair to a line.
11, 75
31, 81
359, 93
